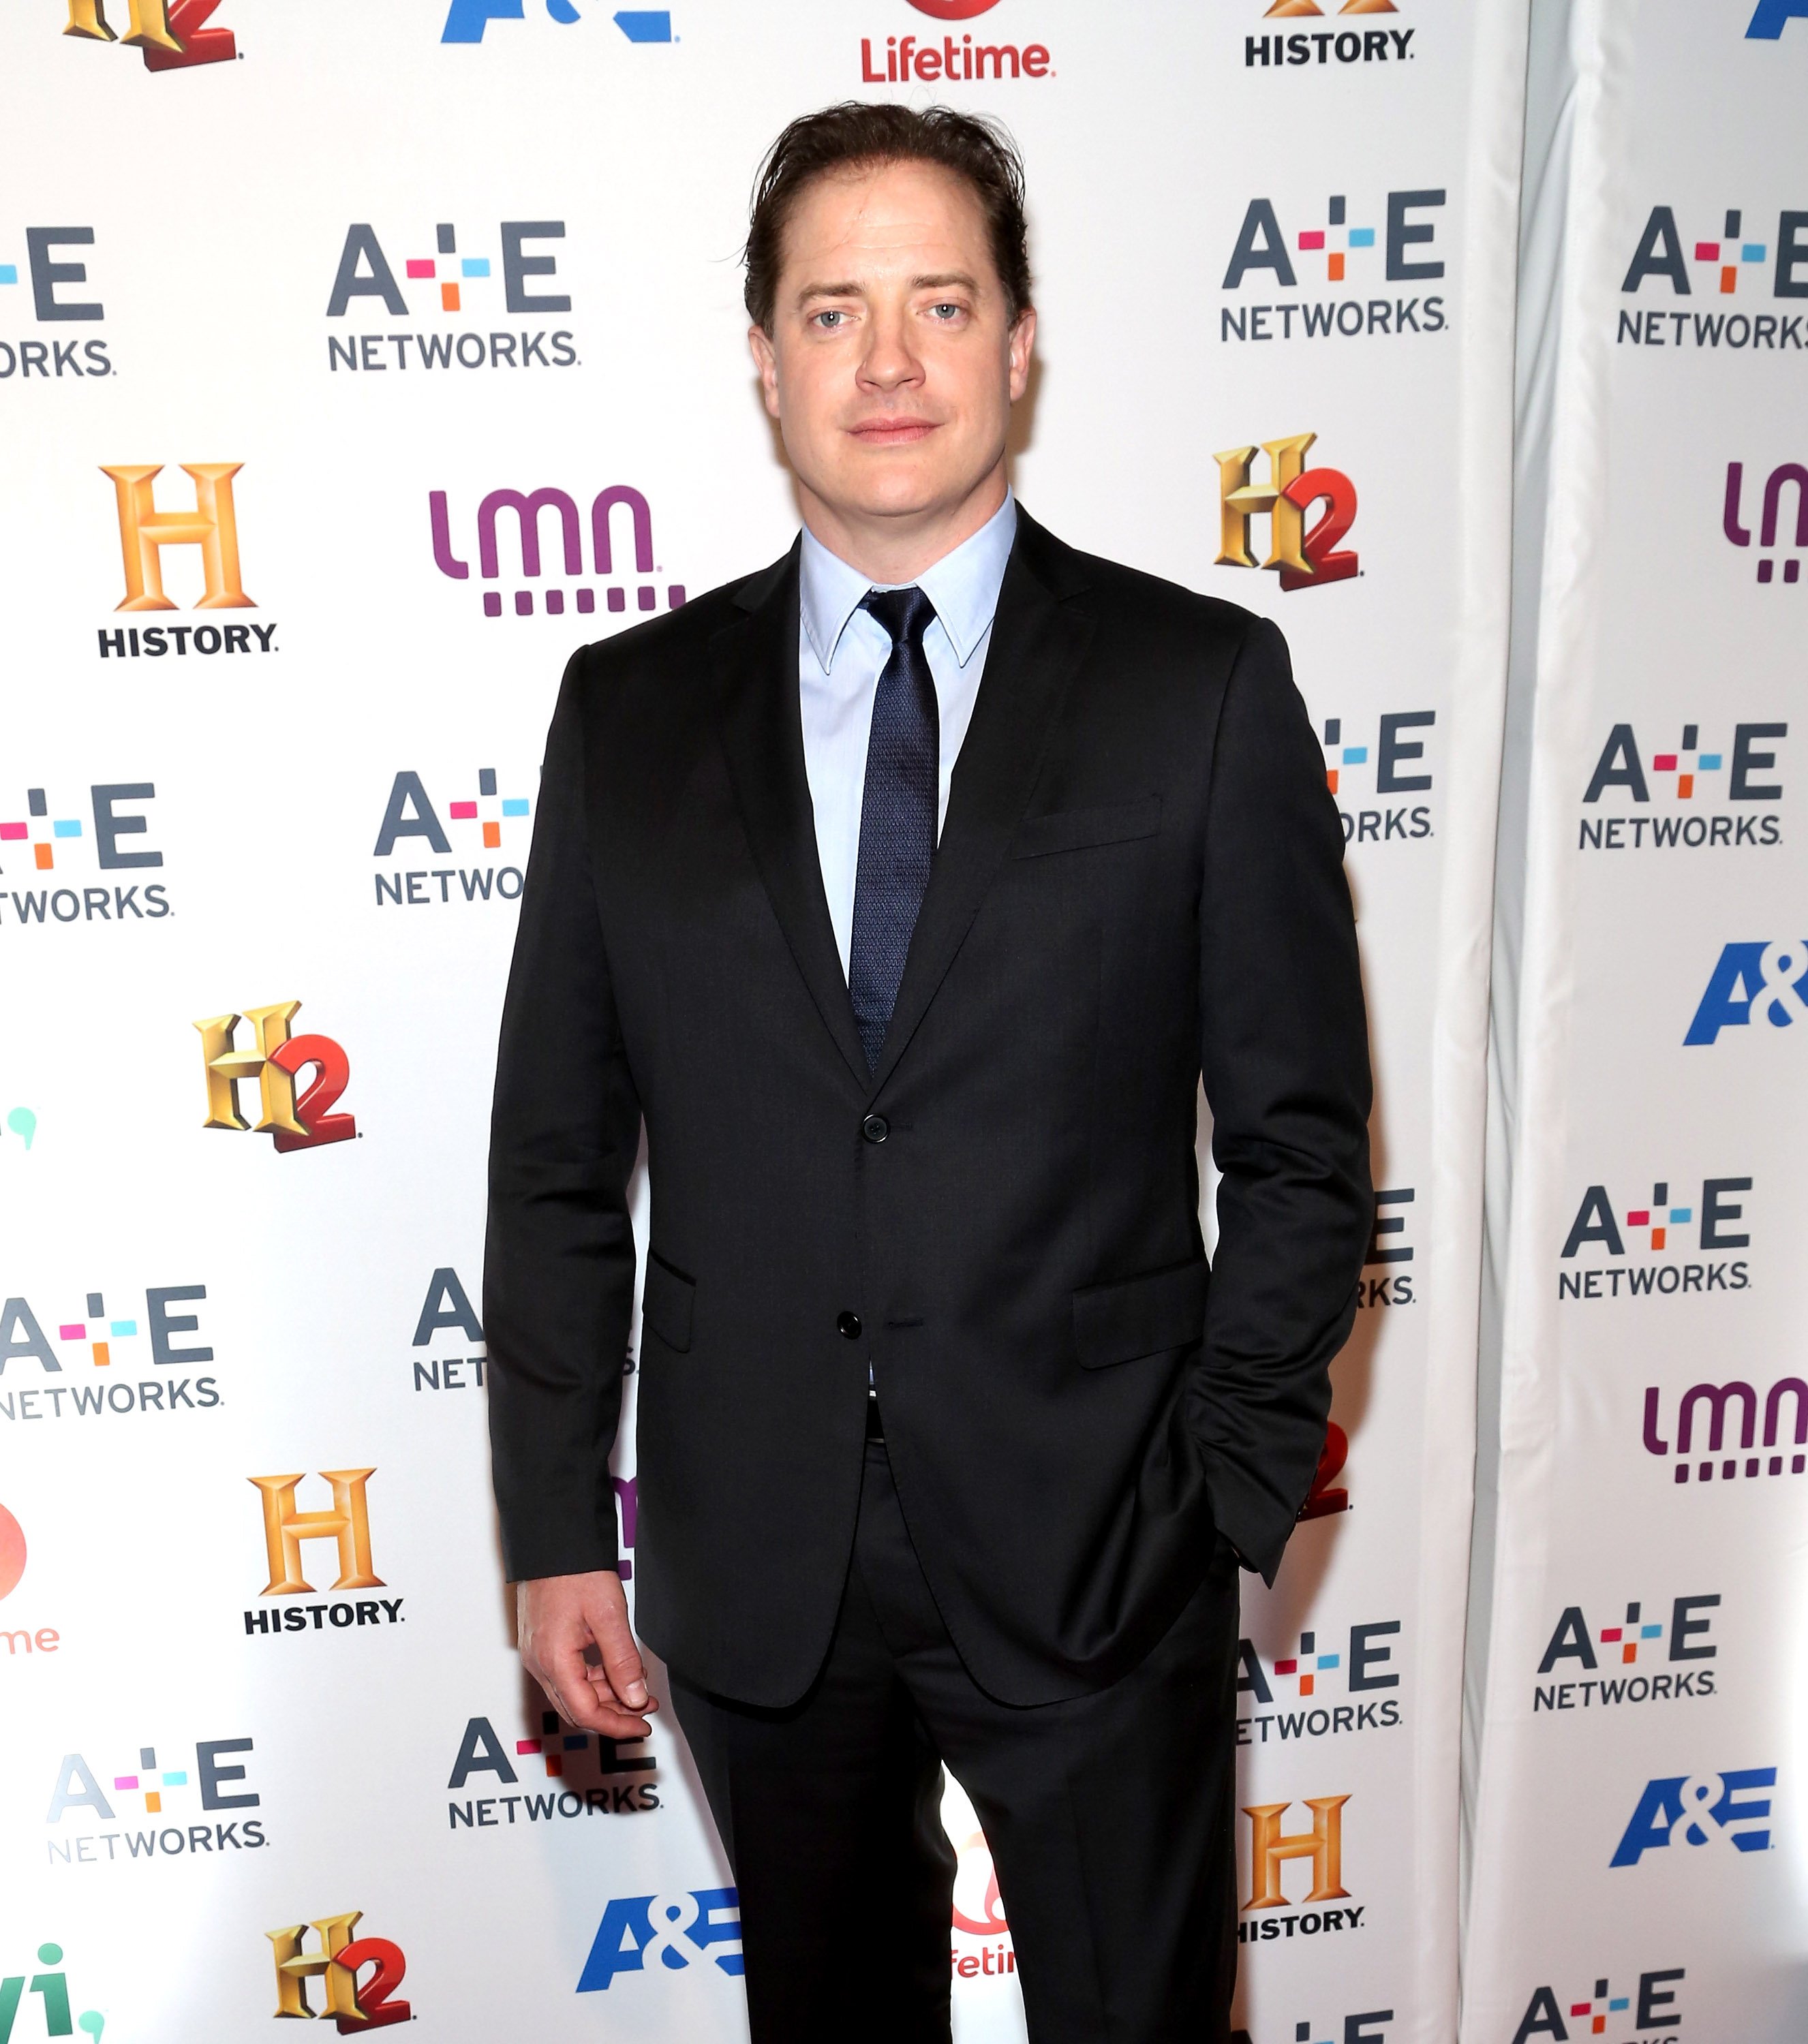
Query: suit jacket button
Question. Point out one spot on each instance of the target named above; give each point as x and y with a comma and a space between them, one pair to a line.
849, 1325
876, 1129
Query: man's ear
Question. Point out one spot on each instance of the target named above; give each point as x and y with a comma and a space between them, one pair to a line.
1022, 345
766, 362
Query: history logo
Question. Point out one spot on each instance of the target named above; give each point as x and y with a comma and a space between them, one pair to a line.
569, 1774
484, 818
141, 1789
1677, 790
1304, 559
1697, 1810
1589, 1663
1728, 1414
1733, 269
480, 273
1567, 2019
1290, 47
86, 1364
1274, 1851
335, 1962
170, 35
1339, 256
54, 280
686, 1930
604, 528
276, 1060
1640, 1247
347, 1523
44, 831
212, 528
1327, 1684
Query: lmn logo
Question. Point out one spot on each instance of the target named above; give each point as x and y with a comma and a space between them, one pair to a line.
170, 35
1306, 560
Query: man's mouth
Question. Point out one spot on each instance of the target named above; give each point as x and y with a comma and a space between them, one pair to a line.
892, 433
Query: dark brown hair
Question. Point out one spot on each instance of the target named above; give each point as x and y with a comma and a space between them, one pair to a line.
857, 133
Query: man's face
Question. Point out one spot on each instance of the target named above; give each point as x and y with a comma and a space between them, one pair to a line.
892, 363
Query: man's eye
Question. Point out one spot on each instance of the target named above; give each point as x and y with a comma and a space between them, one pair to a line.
828, 321
947, 310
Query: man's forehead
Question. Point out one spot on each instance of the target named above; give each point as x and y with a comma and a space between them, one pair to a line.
883, 216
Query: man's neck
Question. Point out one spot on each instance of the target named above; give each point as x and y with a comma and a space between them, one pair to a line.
893, 551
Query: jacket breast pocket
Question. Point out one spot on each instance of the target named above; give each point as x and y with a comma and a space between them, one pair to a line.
1160, 1311
1077, 830
667, 1303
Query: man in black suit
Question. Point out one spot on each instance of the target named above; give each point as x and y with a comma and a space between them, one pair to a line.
905, 891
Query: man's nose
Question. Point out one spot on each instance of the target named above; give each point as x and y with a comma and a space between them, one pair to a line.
889, 362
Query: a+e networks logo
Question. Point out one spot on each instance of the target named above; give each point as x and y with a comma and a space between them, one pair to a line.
1646, 1245
1313, 1680
1390, 765
336, 1961
1735, 264
485, 820
583, 1774
111, 1341
450, 274
51, 358
1564, 2018
1574, 1647
212, 527
276, 1060
38, 835
1701, 793
466, 20
1370, 2026
1304, 559
1340, 248
170, 35
147, 1790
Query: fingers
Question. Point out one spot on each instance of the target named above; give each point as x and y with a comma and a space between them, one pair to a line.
576, 1642
625, 1673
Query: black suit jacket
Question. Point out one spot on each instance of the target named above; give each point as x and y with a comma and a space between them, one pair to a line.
1140, 878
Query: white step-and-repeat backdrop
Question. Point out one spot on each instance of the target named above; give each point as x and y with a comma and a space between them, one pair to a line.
357, 362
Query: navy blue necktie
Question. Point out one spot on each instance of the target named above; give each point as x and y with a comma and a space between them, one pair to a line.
897, 814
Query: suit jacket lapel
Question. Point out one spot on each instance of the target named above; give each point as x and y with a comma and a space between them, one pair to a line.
1038, 638
761, 733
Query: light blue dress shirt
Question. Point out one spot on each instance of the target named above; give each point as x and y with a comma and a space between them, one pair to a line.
842, 650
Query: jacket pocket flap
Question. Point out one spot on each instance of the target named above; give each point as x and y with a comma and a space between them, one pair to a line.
1073, 830
1146, 1315
666, 1302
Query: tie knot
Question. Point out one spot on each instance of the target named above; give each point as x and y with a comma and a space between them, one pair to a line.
905, 613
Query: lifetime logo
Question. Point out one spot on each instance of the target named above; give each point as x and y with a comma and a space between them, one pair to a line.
170, 35
1304, 559
1718, 1399
276, 1059
335, 1963
528, 509
1733, 524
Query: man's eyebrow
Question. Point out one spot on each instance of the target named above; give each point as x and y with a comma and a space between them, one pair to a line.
944, 277
934, 281
827, 291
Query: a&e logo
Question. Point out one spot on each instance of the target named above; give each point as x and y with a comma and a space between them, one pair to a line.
1767, 24
336, 1961
170, 35
1700, 1810
275, 1059
1753, 982
466, 20
1306, 560
674, 1931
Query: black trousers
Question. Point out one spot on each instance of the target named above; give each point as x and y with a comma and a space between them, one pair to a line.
1109, 1820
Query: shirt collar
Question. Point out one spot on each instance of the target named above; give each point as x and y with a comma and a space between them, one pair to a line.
963, 586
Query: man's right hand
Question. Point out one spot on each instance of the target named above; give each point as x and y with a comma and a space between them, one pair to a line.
558, 1618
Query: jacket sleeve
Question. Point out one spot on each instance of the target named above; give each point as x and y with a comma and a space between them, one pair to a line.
1284, 1054
559, 1259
